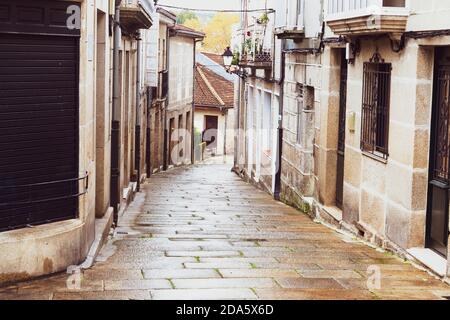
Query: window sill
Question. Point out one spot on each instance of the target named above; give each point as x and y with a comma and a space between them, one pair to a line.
374, 157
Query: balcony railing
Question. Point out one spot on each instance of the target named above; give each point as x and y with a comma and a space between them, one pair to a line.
136, 14
257, 60
256, 50
362, 17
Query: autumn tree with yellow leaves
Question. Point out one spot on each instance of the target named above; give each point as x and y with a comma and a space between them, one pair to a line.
218, 30
194, 23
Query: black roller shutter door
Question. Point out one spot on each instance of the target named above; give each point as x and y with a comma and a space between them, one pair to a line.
38, 126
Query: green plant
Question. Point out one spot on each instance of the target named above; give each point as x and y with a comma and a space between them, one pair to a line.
236, 59
248, 46
264, 19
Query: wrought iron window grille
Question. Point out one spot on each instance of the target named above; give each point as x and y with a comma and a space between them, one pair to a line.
375, 107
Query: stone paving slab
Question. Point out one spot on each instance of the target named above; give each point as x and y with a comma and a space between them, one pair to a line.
202, 233
204, 294
181, 274
105, 295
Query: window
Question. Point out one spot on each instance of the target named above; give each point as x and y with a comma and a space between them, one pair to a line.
375, 107
188, 121
267, 124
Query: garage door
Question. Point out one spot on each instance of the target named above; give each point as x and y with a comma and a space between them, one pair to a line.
39, 180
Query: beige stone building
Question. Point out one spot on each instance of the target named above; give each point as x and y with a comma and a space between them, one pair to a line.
395, 168
364, 91
179, 113
133, 98
170, 76
57, 202
258, 95
279, 95
157, 78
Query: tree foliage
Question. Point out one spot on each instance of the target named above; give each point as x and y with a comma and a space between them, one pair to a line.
218, 32
217, 29
194, 24
184, 16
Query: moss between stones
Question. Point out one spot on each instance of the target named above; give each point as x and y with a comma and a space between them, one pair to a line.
291, 198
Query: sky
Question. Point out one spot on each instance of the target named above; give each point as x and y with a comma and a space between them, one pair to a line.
203, 4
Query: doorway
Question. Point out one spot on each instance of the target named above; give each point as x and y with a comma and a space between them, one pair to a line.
439, 174
210, 133
341, 132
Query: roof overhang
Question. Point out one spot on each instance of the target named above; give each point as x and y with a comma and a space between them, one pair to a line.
175, 31
166, 16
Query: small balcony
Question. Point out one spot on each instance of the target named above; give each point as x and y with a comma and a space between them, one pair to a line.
367, 17
136, 14
257, 60
256, 50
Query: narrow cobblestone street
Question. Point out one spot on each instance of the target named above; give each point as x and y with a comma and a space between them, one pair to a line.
200, 232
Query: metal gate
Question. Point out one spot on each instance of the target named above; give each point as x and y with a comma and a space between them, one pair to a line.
341, 135
439, 184
39, 106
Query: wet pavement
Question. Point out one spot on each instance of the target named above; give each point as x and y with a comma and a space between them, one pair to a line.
200, 232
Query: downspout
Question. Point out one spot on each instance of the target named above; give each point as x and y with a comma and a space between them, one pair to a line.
193, 103
166, 103
148, 133
116, 113
225, 135
237, 126
137, 138
277, 191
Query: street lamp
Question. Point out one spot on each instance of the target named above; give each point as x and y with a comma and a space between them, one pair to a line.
227, 58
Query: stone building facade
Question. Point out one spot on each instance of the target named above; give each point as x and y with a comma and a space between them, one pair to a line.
59, 214
395, 169
171, 114
179, 114
158, 79
364, 97
257, 142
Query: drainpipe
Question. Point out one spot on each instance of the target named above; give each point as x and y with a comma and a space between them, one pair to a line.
149, 132
166, 103
237, 127
137, 138
193, 104
225, 135
116, 113
277, 191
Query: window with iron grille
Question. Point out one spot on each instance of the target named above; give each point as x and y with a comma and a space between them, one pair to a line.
375, 107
